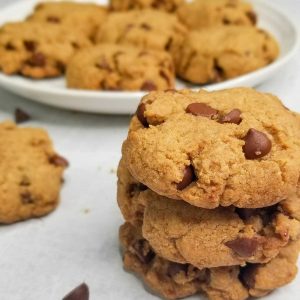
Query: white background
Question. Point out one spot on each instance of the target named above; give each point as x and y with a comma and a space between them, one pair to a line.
43, 259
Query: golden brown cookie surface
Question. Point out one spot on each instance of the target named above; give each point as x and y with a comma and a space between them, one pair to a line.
232, 147
220, 53
119, 67
36, 50
200, 14
30, 173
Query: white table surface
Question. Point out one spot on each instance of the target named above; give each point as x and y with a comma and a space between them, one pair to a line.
43, 259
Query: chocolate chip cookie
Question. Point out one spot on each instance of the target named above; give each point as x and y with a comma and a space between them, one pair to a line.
219, 53
147, 29
166, 5
85, 17
119, 67
30, 173
173, 281
206, 238
199, 14
234, 147
38, 51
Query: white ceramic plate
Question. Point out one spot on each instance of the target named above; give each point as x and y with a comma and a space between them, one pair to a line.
53, 92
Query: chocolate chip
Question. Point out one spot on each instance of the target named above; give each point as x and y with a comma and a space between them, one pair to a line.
21, 116
140, 113
244, 247
53, 19
257, 144
37, 60
252, 16
247, 275
30, 45
148, 85
79, 293
232, 117
146, 26
103, 64
201, 109
10, 47
188, 177
175, 268
59, 161
27, 198
142, 251
245, 213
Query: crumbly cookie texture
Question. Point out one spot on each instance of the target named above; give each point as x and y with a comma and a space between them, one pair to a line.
223, 52
199, 14
36, 50
207, 238
234, 147
119, 67
85, 17
149, 29
30, 173
166, 5
174, 281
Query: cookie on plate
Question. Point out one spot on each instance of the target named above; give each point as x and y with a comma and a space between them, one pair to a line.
174, 281
148, 29
234, 147
198, 14
85, 17
119, 67
167, 5
30, 173
38, 51
220, 53
207, 238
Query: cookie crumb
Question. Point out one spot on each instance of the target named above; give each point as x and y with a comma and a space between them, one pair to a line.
81, 292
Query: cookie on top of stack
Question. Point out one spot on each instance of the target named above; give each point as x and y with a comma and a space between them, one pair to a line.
209, 188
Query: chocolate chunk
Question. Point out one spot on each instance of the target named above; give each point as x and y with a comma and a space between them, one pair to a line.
188, 177
257, 144
175, 268
252, 16
79, 293
53, 19
37, 60
146, 26
26, 198
232, 117
140, 113
247, 275
148, 85
142, 251
21, 116
244, 247
30, 45
245, 213
201, 109
59, 161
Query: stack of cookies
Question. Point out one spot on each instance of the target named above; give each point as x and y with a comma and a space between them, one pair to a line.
136, 44
209, 188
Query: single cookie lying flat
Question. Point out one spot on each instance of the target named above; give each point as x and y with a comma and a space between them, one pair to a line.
219, 53
206, 238
36, 50
118, 67
232, 147
85, 17
30, 173
200, 14
173, 281
148, 29
167, 5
